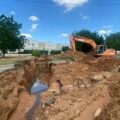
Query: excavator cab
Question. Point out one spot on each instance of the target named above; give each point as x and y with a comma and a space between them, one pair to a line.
100, 49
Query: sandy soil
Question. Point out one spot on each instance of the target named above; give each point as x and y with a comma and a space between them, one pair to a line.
86, 83
15, 58
26, 102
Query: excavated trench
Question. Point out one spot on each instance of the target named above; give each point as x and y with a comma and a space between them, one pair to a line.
36, 89
15, 86
83, 77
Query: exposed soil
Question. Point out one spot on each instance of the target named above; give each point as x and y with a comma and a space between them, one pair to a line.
26, 102
112, 111
15, 86
13, 59
89, 89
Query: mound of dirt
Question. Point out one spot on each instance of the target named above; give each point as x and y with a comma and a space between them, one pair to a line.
112, 111
105, 64
14, 82
89, 84
74, 56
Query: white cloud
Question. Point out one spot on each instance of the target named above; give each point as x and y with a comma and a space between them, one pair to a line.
33, 18
12, 12
85, 17
107, 26
105, 30
64, 35
70, 4
27, 35
34, 27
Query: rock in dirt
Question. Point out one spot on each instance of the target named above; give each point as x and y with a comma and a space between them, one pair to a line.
97, 112
50, 101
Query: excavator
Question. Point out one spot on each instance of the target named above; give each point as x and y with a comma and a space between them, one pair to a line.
97, 50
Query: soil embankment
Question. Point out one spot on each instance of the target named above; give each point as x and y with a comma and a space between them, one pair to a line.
87, 88
90, 88
15, 86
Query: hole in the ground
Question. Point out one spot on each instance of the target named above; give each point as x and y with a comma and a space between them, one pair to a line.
38, 87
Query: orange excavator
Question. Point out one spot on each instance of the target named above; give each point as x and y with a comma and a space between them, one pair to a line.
97, 50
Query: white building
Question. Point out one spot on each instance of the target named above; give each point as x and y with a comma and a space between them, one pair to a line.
31, 45
49, 46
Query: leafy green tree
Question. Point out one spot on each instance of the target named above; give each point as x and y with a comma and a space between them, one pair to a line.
36, 53
113, 41
65, 48
88, 34
54, 52
10, 38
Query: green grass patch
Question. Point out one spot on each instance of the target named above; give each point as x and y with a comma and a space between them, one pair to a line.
118, 56
8, 62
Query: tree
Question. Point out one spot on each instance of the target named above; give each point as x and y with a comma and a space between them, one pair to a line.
65, 48
113, 41
10, 38
36, 53
88, 34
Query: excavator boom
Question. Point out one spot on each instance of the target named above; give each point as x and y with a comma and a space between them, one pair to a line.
74, 38
97, 50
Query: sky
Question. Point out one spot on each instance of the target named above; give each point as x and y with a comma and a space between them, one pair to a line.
55, 20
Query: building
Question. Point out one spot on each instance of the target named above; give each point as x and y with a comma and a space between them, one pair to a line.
49, 46
32, 45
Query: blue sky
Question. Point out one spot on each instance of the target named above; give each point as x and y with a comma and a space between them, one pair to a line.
54, 20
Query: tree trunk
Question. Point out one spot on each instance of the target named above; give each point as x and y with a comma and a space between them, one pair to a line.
3, 53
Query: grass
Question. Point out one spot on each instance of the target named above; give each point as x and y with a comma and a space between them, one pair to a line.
8, 62
13, 60
118, 56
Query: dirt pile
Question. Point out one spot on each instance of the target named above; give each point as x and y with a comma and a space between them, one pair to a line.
112, 111
74, 56
86, 83
14, 82
106, 64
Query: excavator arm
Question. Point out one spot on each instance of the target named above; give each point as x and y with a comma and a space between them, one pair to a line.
97, 50
74, 38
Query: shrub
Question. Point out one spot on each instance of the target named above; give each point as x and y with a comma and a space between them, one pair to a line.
26, 52
65, 48
36, 53
44, 52
53, 52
